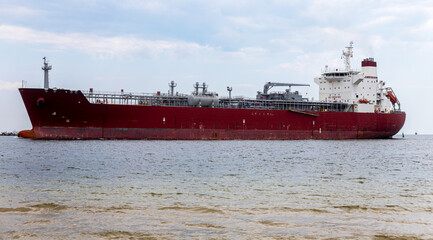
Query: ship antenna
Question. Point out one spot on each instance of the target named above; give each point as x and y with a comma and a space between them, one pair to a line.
46, 68
347, 55
172, 85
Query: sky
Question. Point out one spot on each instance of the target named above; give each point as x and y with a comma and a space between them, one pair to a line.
140, 46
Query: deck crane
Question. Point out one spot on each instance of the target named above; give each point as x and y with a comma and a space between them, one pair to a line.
269, 85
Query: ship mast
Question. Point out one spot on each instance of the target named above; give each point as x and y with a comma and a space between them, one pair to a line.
46, 68
172, 85
347, 55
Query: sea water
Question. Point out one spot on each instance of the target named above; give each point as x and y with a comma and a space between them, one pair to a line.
308, 189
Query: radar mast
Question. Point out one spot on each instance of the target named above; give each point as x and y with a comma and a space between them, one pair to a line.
347, 55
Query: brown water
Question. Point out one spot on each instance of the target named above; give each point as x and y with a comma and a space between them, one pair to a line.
362, 189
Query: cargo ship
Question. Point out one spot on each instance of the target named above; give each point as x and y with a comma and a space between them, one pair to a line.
352, 105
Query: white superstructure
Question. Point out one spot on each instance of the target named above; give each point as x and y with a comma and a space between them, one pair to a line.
362, 88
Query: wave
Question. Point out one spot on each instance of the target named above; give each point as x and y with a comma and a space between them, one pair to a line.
49, 206
193, 209
36, 207
124, 235
204, 225
18, 209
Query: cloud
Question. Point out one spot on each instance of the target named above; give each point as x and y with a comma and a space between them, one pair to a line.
101, 46
18, 11
316, 61
126, 46
152, 6
246, 22
376, 22
9, 86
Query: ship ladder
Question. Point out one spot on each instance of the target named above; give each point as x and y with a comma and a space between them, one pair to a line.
304, 113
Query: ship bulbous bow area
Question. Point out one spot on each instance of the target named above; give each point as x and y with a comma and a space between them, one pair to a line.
27, 134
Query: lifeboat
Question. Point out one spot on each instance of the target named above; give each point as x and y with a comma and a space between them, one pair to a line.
364, 101
391, 97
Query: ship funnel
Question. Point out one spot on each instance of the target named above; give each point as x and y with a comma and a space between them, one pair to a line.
46, 68
369, 68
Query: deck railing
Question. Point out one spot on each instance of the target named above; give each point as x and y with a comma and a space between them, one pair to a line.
181, 100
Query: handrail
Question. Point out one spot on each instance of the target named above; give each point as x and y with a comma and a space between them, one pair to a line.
240, 103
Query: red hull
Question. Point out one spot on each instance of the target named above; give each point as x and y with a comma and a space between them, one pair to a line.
67, 114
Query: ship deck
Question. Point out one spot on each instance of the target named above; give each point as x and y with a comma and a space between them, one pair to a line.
224, 102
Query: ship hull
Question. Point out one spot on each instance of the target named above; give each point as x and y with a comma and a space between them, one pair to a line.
65, 114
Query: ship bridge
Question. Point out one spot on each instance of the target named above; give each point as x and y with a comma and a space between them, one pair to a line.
338, 76
360, 88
